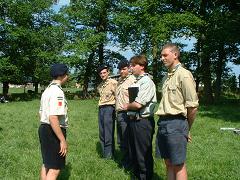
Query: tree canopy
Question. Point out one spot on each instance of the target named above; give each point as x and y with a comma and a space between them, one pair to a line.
33, 36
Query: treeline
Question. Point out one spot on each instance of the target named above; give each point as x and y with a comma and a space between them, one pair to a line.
33, 36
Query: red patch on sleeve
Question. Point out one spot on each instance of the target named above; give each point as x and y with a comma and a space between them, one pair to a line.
59, 103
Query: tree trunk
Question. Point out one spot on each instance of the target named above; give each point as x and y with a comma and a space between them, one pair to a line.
36, 87
155, 64
197, 72
205, 59
87, 74
5, 88
206, 76
219, 70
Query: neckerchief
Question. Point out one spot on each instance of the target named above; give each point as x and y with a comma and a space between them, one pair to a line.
170, 74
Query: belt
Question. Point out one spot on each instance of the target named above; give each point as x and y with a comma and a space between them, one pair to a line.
123, 111
172, 117
137, 118
106, 105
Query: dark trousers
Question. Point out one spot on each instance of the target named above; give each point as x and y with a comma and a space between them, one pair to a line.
141, 135
123, 137
106, 122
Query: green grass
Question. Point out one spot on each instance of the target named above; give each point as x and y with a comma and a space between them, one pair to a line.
213, 154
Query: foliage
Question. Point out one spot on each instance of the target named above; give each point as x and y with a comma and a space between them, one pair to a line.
33, 36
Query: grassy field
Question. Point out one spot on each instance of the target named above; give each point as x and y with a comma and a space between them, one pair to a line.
213, 154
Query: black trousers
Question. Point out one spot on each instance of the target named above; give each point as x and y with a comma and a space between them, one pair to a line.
123, 137
106, 122
141, 135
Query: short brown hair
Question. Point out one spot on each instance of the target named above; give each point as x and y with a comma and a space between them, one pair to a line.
174, 48
140, 60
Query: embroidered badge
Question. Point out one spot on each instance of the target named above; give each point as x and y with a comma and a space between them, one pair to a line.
60, 99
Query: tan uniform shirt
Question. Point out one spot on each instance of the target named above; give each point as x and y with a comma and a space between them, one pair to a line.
122, 96
178, 92
107, 90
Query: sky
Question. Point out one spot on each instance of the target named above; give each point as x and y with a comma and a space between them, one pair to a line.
128, 53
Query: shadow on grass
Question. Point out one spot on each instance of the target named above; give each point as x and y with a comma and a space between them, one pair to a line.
99, 149
226, 111
1, 129
65, 173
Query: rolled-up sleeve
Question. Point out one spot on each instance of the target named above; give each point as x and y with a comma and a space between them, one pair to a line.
145, 93
188, 86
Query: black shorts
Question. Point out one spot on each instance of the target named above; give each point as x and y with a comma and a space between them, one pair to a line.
50, 147
172, 140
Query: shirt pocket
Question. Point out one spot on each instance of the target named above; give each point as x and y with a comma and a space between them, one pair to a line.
107, 95
172, 93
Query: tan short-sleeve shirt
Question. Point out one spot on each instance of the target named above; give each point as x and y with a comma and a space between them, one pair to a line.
122, 96
178, 93
106, 91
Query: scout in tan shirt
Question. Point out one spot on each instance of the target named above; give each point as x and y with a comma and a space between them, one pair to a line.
106, 114
122, 97
176, 112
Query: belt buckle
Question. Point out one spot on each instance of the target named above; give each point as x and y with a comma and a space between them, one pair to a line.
131, 117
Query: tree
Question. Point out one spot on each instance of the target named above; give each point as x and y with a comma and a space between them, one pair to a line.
146, 25
30, 40
89, 27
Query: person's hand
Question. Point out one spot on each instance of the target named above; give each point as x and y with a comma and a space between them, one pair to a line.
189, 138
125, 107
63, 148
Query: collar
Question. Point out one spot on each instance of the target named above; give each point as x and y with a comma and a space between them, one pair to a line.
121, 80
171, 73
56, 84
140, 77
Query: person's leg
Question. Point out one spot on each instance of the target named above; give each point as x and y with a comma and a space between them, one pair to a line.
123, 138
52, 174
132, 148
43, 173
108, 131
122, 125
180, 171
143, 142
101, 128
169, 170
176, 172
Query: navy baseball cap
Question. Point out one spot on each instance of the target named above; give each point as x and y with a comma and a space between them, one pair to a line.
100, 68
58, 70
122, 64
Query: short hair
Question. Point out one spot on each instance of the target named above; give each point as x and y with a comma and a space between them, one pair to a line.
174, 48
123, 64
140, 60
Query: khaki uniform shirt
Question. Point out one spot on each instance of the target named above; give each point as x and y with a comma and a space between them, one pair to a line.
122, 96
107, 90
53, 102
146, 95
178, 92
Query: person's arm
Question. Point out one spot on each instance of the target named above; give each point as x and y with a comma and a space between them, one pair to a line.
191, 114
132, 106
54, 122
